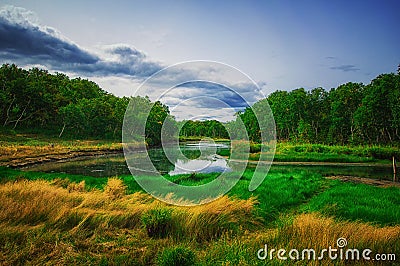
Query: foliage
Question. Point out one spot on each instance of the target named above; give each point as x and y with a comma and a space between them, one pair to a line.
157, 222
177, 256
37, 101
291, 152
158, 117
208, 128
353, 113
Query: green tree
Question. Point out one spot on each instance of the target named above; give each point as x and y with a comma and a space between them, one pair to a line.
374, 118
345, 100
278, 101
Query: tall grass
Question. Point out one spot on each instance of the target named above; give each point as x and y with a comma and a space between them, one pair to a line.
42, 220
36, 202
304, 231
359, 202
306, 152
325, 153
62, 222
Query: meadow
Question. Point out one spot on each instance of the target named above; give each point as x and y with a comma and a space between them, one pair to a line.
53, 218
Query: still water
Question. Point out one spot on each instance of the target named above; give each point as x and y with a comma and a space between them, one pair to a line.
199, 158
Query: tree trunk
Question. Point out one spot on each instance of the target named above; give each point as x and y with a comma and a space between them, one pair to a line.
62, 131
22, 114
8, 112
352, 130
390, 136
394, 169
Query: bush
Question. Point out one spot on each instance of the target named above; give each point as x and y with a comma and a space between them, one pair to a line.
179, 256
255, 147
157, 222
115, 188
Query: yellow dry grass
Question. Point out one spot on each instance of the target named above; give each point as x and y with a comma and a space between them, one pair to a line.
42, 222
312, 230
35, 202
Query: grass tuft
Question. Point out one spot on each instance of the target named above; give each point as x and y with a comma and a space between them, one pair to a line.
177, 256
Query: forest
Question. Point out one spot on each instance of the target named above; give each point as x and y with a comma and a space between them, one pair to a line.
37, 101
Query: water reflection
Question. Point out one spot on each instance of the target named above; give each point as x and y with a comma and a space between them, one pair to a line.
199, 158
211, 164
191, 157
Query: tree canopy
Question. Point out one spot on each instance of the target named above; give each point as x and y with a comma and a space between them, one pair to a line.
353, 113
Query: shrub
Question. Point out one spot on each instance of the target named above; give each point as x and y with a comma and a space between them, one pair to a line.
255, 147
179, 256
157, 222
300, 149
115, 188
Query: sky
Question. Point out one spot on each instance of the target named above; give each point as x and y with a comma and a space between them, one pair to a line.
275, 45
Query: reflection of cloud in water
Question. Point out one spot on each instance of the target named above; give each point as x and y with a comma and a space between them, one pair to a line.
210, 164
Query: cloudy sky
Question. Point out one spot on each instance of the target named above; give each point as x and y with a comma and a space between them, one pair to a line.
278, 44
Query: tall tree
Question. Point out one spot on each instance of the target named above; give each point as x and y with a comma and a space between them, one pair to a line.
345, 100
374, 117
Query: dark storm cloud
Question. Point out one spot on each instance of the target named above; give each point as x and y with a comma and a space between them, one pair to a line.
20, 38
217, 95
125, 60
25, 42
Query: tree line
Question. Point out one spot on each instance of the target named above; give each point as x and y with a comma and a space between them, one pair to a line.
208, 128
353, 113
39, 102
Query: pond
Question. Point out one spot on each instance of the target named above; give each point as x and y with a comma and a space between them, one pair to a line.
199, 158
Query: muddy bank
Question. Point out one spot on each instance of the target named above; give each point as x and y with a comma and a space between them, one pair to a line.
364, 180
20, 162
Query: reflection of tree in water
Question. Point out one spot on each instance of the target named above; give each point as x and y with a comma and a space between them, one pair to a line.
191, 154
164, 165
160, 160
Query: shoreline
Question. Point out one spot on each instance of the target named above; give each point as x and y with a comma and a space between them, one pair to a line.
23, 162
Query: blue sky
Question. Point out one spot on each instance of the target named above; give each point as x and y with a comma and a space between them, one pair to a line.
279, 44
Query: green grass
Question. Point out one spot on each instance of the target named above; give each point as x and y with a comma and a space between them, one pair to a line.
326, 153
281, 192
289, 152
99, 231
326, 157
362, 202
